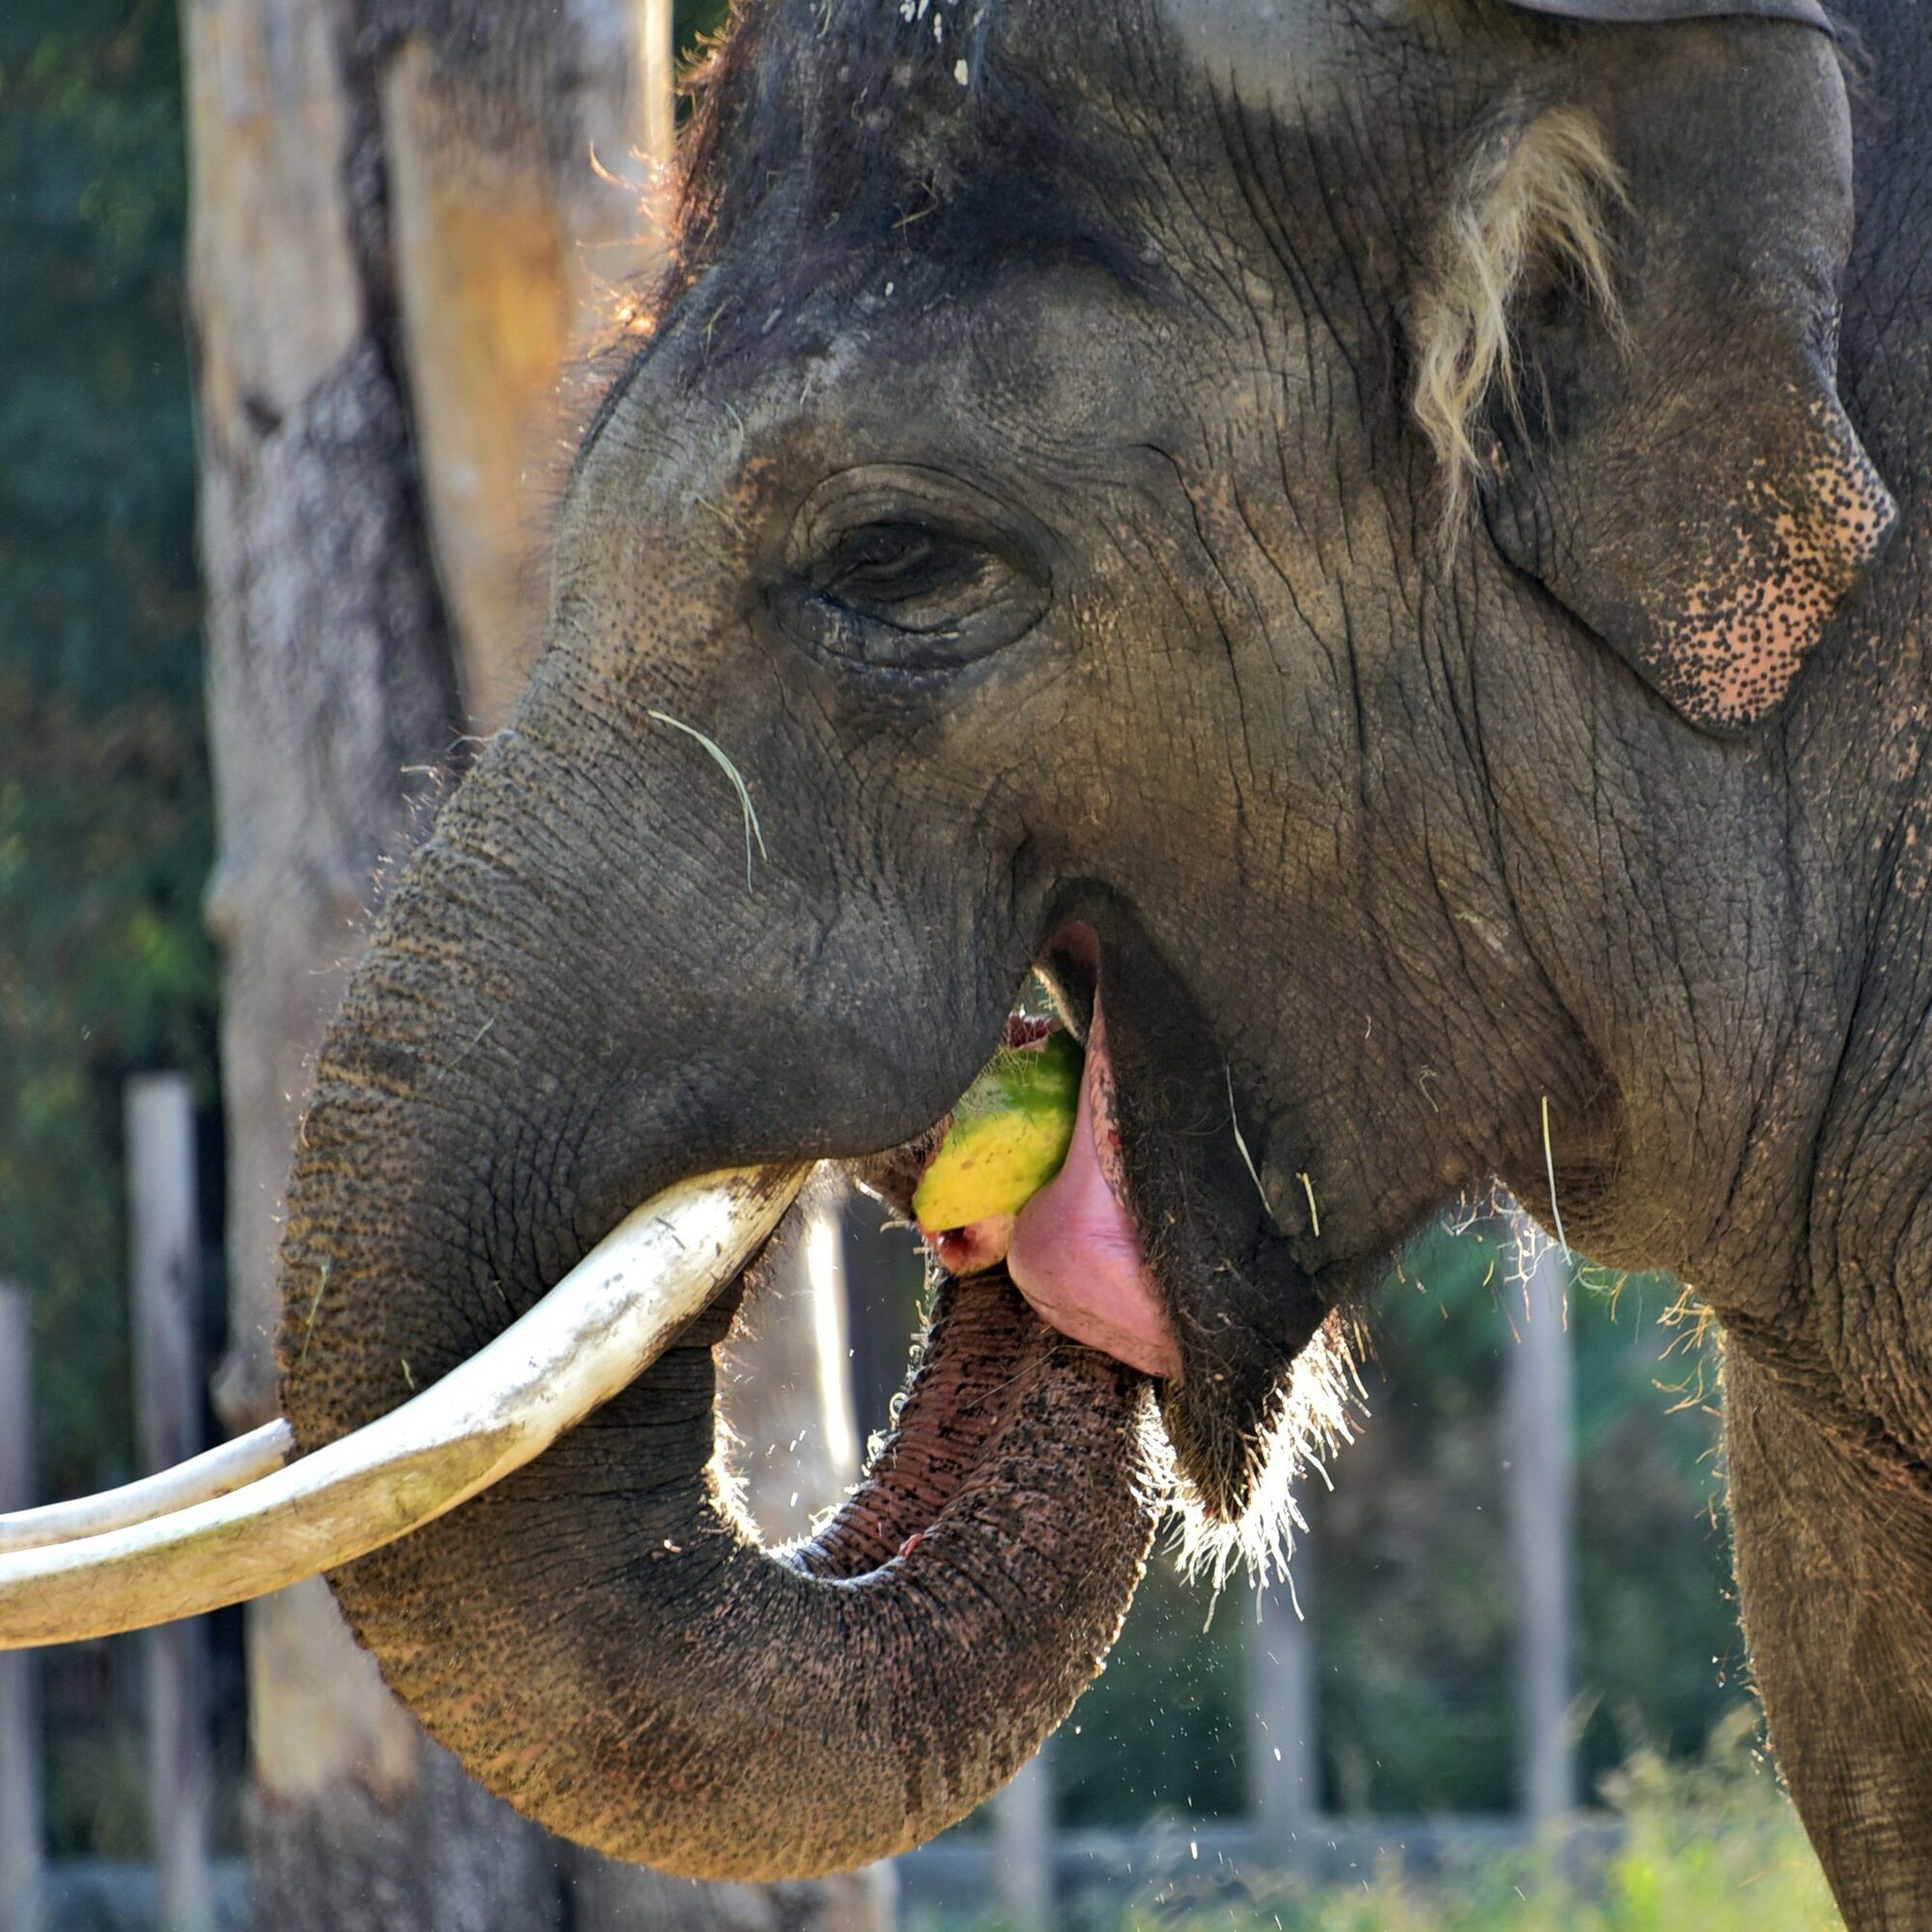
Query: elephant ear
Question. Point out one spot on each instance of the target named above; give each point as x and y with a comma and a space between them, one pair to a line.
1687, 482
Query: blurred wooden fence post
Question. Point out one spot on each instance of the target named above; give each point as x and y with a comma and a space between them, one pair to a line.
1284, 1766
164, 1255
1023, 1819
22, 1877
1539, 1410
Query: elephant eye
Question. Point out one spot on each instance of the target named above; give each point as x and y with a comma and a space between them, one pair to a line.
907, 570
904, 575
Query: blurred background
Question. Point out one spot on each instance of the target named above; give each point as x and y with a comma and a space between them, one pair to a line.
1481, 1648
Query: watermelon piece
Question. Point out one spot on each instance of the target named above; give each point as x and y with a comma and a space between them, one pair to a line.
1006, 1138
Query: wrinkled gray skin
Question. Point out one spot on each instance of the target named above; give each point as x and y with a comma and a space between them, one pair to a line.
1409, 834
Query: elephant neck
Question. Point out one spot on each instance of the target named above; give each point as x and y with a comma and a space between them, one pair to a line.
1861, 738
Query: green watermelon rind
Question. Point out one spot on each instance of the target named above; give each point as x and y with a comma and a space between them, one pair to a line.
1007, 1137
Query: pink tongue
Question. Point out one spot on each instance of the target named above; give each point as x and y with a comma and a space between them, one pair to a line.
1075, 1252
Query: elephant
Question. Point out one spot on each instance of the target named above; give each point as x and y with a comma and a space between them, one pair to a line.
1380, 548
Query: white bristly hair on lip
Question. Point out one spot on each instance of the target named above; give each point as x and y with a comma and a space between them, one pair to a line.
595, 1332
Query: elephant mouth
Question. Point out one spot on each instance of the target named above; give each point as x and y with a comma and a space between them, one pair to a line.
1154, 1245
1075, 1250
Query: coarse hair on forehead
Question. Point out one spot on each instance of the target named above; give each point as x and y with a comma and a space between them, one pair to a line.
838, 130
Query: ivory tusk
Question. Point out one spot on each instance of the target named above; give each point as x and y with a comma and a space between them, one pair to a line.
214, 1472
595, 1332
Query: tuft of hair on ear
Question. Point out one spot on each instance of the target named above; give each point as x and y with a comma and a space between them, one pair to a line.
1531, 206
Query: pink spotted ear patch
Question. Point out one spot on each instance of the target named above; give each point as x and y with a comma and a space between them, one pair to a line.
1771, 579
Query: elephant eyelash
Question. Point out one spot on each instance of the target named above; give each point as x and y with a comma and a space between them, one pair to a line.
898, 563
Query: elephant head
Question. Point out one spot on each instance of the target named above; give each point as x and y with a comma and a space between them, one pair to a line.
1165, 493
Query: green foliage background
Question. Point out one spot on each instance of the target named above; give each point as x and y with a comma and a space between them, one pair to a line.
1406, 1573
105, 816
1710, 1845
105, 840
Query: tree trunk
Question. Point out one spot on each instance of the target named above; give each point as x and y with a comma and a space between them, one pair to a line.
399, 242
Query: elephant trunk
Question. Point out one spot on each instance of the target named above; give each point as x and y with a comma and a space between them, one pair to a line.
601, 1638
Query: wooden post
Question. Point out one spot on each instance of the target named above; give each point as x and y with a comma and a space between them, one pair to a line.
22, 1879
881, 1275
165, 1255
790, 1399
1284, 1771
1023, 1819
1539, 1407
